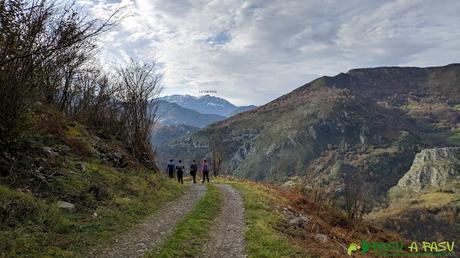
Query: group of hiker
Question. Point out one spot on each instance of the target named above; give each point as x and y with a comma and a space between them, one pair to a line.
179, 169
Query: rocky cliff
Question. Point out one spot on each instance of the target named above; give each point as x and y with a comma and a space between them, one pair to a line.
429, 193
432, 168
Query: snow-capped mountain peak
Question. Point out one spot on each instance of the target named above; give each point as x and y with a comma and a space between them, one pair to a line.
206, 104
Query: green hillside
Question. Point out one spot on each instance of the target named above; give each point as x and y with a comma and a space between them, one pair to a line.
68, 190
372, 121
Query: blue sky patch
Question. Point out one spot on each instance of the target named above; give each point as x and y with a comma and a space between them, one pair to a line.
220, 38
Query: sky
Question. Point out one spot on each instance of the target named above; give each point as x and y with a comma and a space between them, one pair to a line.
251, 52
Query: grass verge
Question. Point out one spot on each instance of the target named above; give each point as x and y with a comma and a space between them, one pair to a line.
262, 238
189, 235
33, 226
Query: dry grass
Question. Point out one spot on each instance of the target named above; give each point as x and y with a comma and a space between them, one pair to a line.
423, 201
323, 219
333, 223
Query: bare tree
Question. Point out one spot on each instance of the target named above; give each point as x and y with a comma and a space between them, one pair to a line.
139, 84
92, 102
354, 199
47, 51
42, 48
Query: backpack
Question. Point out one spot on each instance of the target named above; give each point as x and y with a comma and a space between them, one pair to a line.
193, 167
170, 168
180, 169
205, 167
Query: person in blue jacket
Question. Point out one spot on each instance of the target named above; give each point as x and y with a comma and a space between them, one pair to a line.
170, 168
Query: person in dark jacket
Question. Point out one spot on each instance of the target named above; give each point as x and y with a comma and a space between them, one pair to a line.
205, 170
193, 170
170, 168
180, 172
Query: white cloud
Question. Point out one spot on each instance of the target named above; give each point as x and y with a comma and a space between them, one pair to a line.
254, 51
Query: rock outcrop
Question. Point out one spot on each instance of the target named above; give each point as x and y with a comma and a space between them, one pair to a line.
432, 168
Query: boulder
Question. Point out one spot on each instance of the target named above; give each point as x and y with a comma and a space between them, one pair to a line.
289, 185
66, 205
300, 221
321, 238
116, 158
50, 152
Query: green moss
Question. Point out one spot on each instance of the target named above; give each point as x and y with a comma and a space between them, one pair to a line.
454, 137
18, 208
189, 235
78, 139
406, 141
336, 168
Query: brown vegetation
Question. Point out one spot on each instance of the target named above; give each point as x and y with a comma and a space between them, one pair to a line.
47, 58
321, 218
329, 221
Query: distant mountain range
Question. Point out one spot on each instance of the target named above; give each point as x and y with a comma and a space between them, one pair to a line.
207, 104
179, 115
173, 114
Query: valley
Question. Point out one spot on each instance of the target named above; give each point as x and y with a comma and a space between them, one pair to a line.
359, 129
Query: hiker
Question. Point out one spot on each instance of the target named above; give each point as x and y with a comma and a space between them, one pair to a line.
171, 167
205, 171
180, 172
193, 170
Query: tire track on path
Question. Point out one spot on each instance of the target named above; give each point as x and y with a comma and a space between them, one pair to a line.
153, 231
228, 233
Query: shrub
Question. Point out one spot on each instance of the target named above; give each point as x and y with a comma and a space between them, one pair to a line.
18, 208
41, 49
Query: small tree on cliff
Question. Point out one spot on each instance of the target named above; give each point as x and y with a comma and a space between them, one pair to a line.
354, 198
216, 162
216, 150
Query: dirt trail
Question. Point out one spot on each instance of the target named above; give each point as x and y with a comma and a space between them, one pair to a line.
149, 234
228, 233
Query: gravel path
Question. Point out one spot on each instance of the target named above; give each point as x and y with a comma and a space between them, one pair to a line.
150, 233
228, 233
